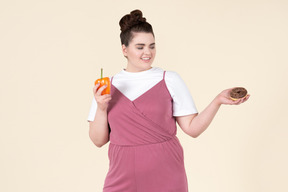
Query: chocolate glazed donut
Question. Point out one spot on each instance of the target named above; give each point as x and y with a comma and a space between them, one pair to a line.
238, 93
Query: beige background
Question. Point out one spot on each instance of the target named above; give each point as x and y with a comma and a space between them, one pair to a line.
52, 51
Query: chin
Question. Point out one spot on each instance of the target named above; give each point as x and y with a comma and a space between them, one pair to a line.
147, 67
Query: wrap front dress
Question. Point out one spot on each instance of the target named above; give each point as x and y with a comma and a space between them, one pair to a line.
145, 154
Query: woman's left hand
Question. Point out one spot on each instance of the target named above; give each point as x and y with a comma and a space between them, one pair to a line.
224, 98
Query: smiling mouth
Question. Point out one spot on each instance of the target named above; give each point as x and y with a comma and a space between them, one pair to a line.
146, 58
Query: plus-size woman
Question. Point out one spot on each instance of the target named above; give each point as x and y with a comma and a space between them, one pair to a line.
139, 117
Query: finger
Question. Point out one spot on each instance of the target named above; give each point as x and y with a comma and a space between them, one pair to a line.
106, 96
103, 101
246, 98
96, 87
106, 100
101, 89
101, 98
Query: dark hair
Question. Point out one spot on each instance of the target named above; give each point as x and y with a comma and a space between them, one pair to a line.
133, 22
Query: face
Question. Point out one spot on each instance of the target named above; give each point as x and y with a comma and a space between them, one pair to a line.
140, 52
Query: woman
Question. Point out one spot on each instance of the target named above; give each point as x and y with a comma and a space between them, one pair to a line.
139, 117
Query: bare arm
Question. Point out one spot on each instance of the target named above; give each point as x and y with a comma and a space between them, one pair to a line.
196, 124
98, 129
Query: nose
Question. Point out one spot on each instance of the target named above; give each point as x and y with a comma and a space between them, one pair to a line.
147, 51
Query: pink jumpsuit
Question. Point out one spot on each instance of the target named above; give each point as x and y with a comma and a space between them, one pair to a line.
145, 154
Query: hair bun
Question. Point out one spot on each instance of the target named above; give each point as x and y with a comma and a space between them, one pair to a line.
135, 17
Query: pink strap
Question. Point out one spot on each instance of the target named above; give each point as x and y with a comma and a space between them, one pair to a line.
164, 74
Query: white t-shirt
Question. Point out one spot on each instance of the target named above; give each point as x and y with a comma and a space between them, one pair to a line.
133, 85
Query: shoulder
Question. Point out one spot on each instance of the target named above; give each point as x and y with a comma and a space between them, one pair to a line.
172, 77
172, 74
175, 84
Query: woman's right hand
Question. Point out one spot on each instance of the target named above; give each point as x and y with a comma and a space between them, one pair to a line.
102, 100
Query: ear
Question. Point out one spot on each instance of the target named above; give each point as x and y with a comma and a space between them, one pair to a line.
124, 50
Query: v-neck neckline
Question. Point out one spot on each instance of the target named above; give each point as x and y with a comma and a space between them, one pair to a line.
139, 97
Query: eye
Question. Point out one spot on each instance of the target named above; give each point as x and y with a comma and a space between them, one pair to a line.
152, 47
139, 48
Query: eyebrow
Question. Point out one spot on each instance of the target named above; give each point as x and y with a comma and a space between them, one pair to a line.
142, 44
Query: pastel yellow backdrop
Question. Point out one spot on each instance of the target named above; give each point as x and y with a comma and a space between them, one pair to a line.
52, 51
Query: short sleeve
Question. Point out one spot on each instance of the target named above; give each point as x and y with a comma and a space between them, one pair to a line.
183, 103
93, 109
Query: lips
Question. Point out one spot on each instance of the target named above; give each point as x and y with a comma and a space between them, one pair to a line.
146, 59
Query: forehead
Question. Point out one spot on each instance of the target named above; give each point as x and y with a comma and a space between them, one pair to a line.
143, 38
